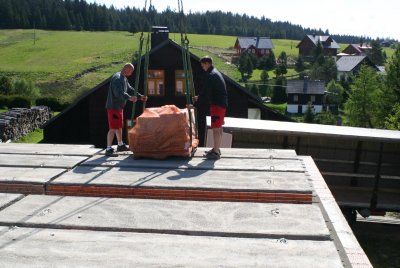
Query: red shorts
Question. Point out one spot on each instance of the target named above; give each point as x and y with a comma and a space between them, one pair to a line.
115, 118
217, 116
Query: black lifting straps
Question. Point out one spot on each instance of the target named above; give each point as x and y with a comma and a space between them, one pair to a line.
138, 66
187, 68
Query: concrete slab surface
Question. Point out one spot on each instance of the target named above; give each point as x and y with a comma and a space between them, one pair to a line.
52, 149
250, 153
127, 160
6, 199
239, 219
50, 230
48, 161
246, 153
31, 247
28, 175
187, 178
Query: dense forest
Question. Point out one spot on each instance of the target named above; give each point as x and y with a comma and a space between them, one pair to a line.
81, 16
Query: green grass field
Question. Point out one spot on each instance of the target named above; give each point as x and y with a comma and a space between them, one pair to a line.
55, 57
35, 136
52, 59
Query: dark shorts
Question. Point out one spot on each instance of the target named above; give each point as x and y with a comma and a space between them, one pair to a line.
217, 116
115, 118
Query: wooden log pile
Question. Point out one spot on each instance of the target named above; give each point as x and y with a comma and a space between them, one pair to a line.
18, 122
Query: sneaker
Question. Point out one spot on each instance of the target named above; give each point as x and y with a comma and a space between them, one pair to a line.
122, 148
212, 150
109, 152
213, 155
207, 152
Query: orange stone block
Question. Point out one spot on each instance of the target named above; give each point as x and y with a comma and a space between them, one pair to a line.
164, 131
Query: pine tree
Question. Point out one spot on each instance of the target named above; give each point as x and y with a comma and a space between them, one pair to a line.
242, 67
309, 114
334, 95
375, 53
279, 90
362, 105
264, 76
392, 120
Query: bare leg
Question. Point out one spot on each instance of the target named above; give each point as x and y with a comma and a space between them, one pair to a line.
110, 137
217, 135
118, 132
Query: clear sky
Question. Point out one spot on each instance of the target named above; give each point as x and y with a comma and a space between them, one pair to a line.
346, 17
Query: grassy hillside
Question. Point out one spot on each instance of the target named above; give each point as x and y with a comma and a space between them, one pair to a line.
66, 63
54, 59
61, 63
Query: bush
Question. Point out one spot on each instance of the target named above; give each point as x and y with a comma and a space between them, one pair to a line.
4, 102
53, 103
19, 102
6, 85
26, 88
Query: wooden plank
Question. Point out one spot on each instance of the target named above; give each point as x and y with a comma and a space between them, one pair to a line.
386, 183
48, 161
233, 164
48, 149
360, 197
327, 165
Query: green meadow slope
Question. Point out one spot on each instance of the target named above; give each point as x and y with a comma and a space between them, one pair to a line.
60, 62
64, 64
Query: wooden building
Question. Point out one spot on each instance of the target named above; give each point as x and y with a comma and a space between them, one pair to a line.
85, 121
302, 92
310, 42
259, 46
356, 49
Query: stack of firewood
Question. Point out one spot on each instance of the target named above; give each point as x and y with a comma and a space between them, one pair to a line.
18, 122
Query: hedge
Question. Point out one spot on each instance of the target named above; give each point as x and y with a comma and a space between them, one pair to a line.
15, 101
53, 103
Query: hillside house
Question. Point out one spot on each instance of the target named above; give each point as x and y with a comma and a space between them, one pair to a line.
85, 121
350, 65
259, 46
301, 92
356, 49
310, 42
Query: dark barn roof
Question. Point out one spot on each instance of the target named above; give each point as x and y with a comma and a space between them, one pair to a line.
356, 49
256, 42
326, 41
85, 120
305, 87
